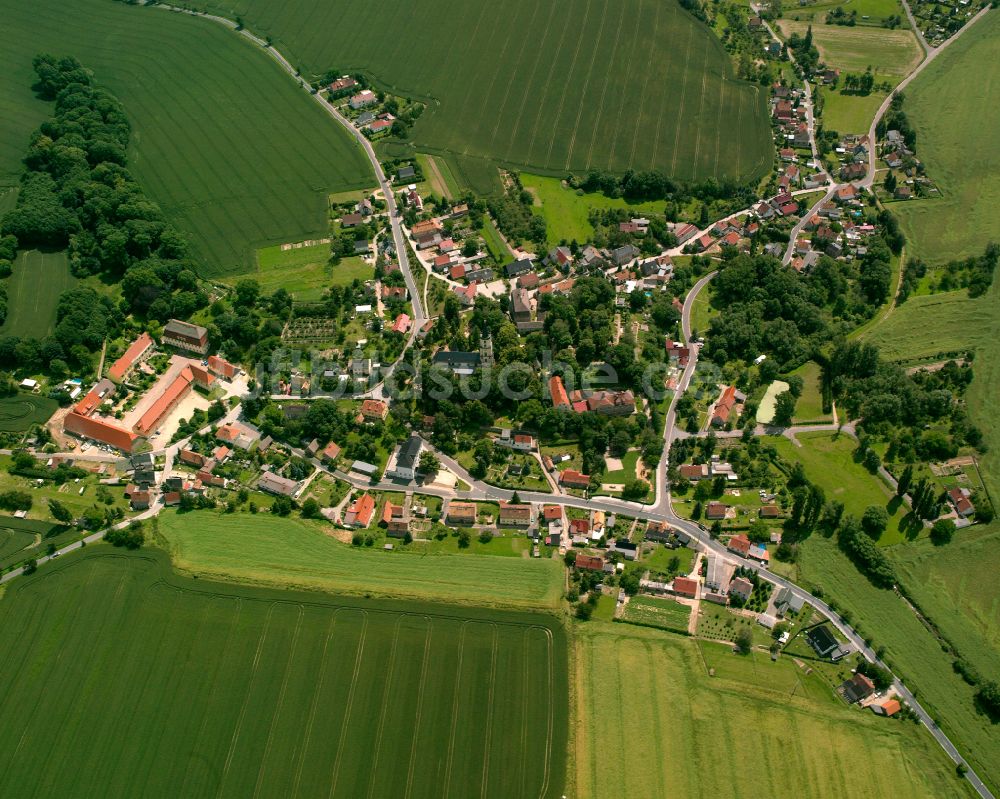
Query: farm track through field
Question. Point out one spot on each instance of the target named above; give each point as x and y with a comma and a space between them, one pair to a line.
562, 97
420, 706
449, 758
501, 107
345, 725
680, 109
645, 85
618, 117
586, 81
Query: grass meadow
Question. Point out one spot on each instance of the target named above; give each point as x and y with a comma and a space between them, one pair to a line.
809, 407
892, 54
305, 273
292, 553
766, 727
568, 85
130, 681
566, 212
235, 155
875, 10
663, 613
955, 107
33, 291
849, 113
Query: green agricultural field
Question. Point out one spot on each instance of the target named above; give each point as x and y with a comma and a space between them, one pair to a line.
875, 10
130, 681
960, 157
567, 85
892, 54
305, 272
296, 554
19, 537
235, 155
764, 726
850, 113
566, 213
21, 411
663, 613
33, 291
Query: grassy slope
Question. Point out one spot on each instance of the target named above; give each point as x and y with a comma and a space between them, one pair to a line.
911, 649
129, 681
764, 727
222, 140
955, 106
33, 292
637, 84
305, 273
293, 553
847, 113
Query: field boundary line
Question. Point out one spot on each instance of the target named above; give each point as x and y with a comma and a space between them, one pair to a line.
551, 714
645, 85
489, 715
530, 81
454, 711
718, 123
420, 706
677, 126
350, 702
701, 104
657, 727
506, 94
246, 699
562, 99
548, 82
281, 701
604, 92
525, 675
386, 691
680, 115
626, 74
586, 82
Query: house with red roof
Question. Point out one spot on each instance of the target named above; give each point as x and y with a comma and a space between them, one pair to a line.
137, 352
360, 512
571, 478
685, 586
739, 544
593, 563
560, 399
724, 407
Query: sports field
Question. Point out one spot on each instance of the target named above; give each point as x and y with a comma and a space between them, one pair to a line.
305, 273
565, 85
235, 155
33, 291
289, 552
892, 54
766, 728
566, 212
19, 412
955, 106
129, 681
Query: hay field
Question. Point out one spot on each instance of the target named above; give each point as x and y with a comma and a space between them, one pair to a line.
890, 53
33, 291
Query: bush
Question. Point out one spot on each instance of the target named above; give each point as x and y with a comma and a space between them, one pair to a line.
130, 537
942, 532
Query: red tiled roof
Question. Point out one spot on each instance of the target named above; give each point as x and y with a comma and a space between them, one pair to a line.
686, 586
558, 392
221, 366
121, 367
574, 478
590, 562
101, 431
171, 395
363, 508
739, 543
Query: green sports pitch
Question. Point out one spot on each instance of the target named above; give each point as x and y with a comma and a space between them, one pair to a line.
235, 154
129, 681
551, 87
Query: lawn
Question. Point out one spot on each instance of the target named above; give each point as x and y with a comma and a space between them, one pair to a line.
963, 83
234, 154
648, 694
702, 311
21, 411
33, 291
636, 84
566, 213
143, 683
829, 462
809, 407
892, 54
304, 272
292, 553
849, 113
